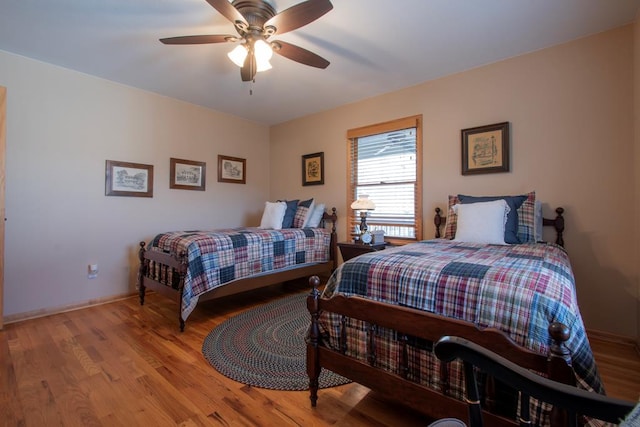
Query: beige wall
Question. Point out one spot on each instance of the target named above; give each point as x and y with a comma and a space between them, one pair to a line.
61, 127
571, 111
570, 107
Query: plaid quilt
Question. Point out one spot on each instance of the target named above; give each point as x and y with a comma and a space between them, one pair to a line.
222, 256
519, 289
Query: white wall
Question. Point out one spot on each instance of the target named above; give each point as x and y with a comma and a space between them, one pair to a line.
571, 114
61, 128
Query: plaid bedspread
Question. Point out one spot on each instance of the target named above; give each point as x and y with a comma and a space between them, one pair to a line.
222, 256
519, 289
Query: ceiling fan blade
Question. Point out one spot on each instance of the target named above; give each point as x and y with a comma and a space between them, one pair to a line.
298, 54
299, 15
230, 12
248, 70
203, 39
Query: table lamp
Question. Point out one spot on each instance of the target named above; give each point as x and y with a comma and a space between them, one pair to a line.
363, 204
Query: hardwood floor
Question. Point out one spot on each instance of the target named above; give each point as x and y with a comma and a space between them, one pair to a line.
120, 364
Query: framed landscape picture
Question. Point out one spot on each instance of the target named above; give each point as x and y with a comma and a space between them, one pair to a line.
232, 169
187, 174
485, 149
128, 179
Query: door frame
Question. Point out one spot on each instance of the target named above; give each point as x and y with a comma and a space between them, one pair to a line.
3, 136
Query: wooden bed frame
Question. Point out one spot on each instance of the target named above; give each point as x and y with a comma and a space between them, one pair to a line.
170, 272
431, 327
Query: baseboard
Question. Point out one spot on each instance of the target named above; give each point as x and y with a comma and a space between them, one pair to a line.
19, 317
613, 338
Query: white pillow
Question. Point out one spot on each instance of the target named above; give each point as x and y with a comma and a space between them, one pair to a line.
273, 215
314, 219
482, 222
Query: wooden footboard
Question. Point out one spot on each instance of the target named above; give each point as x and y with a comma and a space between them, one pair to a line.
423, 325
165, 273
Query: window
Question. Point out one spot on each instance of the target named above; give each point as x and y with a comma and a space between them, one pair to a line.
385, 162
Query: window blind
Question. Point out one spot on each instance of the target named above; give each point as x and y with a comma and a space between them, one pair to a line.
385, 166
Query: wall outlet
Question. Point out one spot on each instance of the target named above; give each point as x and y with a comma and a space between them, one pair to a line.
93, 271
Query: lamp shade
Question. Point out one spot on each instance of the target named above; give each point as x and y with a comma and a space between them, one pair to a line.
238, 55
363, 203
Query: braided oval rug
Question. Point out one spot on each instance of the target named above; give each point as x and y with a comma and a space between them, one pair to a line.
265, 347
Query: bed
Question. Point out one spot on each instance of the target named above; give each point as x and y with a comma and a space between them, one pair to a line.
377, 318
194, 266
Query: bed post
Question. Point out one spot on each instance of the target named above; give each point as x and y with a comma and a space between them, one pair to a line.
333, 243
142, 271
437, 221
558, 224
559, 356
313, 361
559, 366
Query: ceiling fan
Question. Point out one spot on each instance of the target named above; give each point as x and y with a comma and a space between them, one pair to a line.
256, 21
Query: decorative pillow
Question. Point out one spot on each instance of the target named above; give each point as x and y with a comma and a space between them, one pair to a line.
302, 213
292, 206
316, 215
482, 222
452, 218
538, 221
272, 215
526, 219
514, 202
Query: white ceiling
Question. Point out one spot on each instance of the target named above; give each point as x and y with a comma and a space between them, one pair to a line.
374, 46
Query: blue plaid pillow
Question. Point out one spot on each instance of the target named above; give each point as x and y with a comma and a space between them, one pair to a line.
290, 213
302, 213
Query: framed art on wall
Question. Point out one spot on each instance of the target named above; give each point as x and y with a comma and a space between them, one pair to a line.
187, 174
232, 169
128, 179
485, 149
313, 169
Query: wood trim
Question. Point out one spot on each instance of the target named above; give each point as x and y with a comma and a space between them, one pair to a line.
420, 155
14, 318
3, 136
403, 123
407, 122
613, 338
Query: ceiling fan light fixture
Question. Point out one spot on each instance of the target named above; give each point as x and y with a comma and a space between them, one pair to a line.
262, 65
263, 54
256, 21
262, 50
238, 55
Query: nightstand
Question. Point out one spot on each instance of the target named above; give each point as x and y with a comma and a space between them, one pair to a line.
350, 250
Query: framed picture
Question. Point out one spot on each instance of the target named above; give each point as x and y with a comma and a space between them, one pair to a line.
485, 149
313, 169
232, 169
128, 179
187, 174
